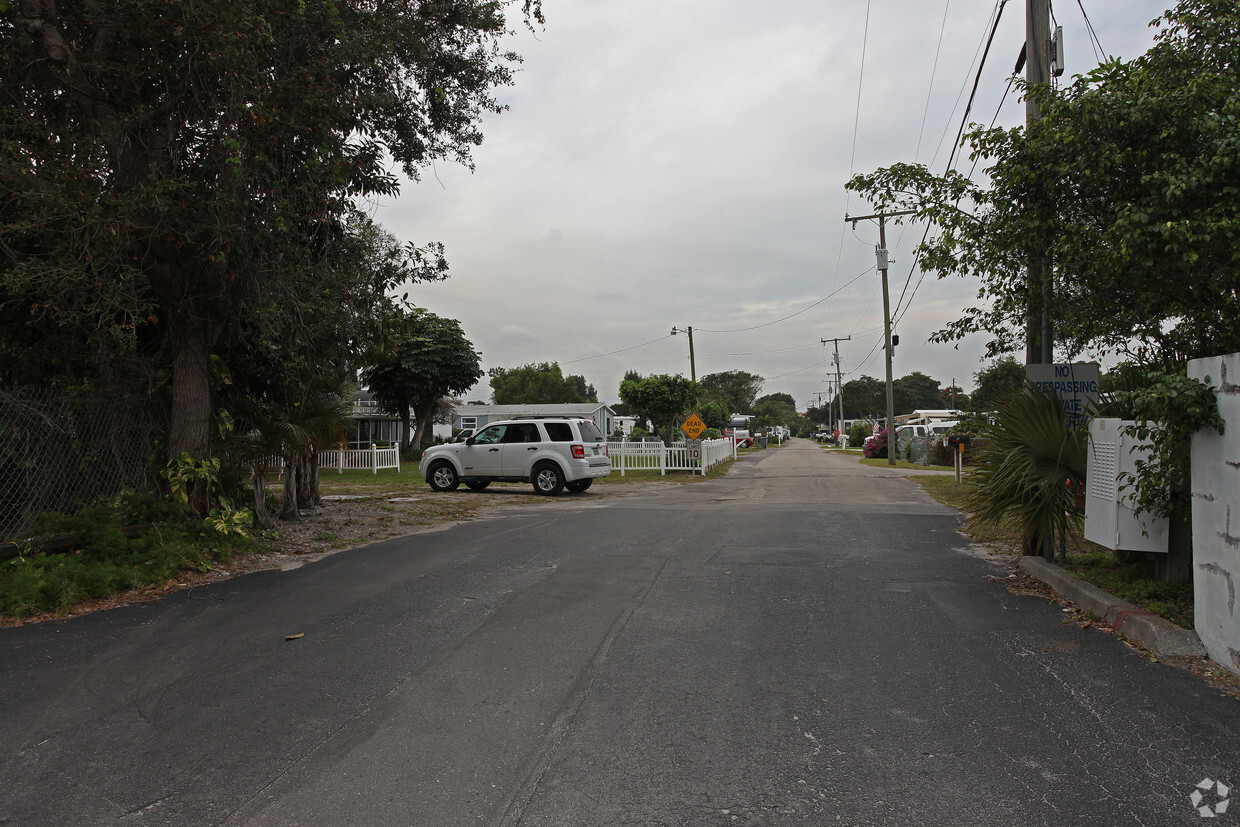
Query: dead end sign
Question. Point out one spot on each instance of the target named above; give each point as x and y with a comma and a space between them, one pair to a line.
693, 426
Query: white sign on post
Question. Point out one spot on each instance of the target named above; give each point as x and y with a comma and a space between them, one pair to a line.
1075, 384
694, 449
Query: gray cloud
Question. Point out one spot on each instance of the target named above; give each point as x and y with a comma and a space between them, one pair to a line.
690, 158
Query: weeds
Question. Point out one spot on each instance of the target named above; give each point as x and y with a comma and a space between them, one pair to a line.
102, 559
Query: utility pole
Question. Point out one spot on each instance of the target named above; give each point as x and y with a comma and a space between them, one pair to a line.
881, 253
1039, 341
1039, 334
839, 379
692, 365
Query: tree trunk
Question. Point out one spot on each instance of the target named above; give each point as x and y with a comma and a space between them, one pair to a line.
189, 429
288, 507
262, 520
316, 497
425, 425
303, 479
406, 434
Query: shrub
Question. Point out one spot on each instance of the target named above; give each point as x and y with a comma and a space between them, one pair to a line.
103, 560
858, 431
941, 454
1030, 469
877, 449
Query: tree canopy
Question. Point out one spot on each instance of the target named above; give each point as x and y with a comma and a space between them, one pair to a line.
175, 171
662, 399
429, 359
735, 389
538, 384
915, 391
995, 382
1130, 185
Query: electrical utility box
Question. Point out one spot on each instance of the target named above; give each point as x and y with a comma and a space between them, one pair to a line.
1109, 519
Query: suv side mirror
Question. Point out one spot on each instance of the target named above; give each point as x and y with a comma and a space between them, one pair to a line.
469, 441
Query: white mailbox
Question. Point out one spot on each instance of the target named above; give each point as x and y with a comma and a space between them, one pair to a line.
1109, 519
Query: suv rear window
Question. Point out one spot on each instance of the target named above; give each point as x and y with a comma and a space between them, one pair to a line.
590, 432
559, 431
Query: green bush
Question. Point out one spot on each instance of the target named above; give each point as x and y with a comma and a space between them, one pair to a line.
1031, 469
102, 560
857, 432
941, 454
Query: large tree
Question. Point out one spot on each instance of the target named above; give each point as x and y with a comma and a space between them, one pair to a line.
915, 391
1129, 187
864, 398
171, 167
995, 383
735, 389
538, 384
663, 400
429, 359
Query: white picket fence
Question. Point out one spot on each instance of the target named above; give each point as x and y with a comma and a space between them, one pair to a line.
651, 456
369, 459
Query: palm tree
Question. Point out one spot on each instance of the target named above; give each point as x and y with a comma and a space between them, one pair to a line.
1031, 469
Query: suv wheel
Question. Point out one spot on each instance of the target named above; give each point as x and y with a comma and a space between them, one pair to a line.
442, 477
477, 485
577, 486
547, 479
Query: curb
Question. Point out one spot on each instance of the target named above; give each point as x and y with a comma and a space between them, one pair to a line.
1160, 636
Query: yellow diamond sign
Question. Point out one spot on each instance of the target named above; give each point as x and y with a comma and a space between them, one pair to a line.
693, 426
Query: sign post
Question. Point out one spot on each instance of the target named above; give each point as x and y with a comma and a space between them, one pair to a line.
694, 428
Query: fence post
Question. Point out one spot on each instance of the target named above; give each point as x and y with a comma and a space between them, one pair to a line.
374, 458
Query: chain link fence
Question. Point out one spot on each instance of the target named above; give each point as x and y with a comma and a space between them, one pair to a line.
60, 453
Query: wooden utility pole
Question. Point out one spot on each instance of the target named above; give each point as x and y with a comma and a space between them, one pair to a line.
839, 379
1039, 338
880, 253
692, 364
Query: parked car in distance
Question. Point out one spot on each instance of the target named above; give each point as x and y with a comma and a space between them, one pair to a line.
550, 454
464, 434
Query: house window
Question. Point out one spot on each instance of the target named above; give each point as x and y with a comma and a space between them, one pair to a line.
469, 422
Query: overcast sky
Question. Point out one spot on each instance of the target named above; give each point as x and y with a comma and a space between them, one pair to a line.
682, 163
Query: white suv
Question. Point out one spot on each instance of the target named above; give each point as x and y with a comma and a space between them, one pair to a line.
552, 454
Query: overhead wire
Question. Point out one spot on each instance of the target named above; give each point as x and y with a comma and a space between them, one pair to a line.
938, 50
613, 352
832, 294
852, 156
977, 79
1094, 42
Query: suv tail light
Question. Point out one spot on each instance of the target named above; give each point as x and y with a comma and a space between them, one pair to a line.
579, 451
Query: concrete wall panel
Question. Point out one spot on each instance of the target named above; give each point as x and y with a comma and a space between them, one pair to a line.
1216, 515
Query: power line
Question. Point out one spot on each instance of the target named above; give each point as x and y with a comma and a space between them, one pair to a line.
933, 71
977, 79
830, 295
613, 352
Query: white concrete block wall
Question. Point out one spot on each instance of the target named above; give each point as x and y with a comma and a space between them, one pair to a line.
1216, 515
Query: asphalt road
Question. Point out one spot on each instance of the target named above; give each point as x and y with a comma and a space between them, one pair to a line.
805, 641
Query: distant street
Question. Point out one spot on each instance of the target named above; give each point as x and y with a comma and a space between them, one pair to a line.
805, 641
